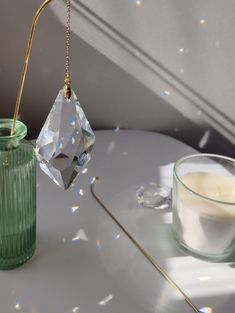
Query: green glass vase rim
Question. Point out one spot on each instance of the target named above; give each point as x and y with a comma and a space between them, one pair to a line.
198, 155
20, 130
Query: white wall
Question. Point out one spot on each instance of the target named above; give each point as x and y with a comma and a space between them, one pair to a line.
125, 57
185, 47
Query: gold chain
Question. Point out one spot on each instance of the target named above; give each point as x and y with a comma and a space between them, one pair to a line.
67, 80
142, 250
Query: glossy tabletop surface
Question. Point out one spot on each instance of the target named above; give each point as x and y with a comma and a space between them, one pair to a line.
84, 263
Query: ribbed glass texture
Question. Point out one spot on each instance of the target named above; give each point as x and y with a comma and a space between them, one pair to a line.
17, 196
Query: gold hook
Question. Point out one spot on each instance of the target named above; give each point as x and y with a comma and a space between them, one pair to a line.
26, 61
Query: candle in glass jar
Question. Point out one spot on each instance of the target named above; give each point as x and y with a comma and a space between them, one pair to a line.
207, 226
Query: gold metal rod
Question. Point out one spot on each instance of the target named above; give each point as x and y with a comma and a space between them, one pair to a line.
142, 250
26, 62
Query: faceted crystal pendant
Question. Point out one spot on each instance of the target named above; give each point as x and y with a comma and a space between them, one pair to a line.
65, 142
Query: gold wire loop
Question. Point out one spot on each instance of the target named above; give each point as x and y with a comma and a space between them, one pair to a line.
67, 91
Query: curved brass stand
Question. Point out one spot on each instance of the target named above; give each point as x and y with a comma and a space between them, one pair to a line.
26, 61
141, 249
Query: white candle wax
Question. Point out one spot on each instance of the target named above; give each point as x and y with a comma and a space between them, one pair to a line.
207, 226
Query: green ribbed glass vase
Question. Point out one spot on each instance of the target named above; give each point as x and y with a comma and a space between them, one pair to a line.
17, 196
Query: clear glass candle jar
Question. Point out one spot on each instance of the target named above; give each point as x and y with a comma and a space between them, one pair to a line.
17, 196
204, 205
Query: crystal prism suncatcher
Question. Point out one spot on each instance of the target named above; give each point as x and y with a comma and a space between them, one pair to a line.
65, 142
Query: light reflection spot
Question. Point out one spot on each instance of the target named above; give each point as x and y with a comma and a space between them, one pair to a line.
204, 139
74, 208
203, 278
72, 120
18, 307
118, 236
181, 50
166, 93
75, 309
106, 300
46, 134
202, 21
80, 192
206, 310
138, 3
85, 170
124, 153
117, 129
81, 235
111, 146
92, 180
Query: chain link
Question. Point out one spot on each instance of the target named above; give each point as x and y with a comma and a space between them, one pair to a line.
67, 79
